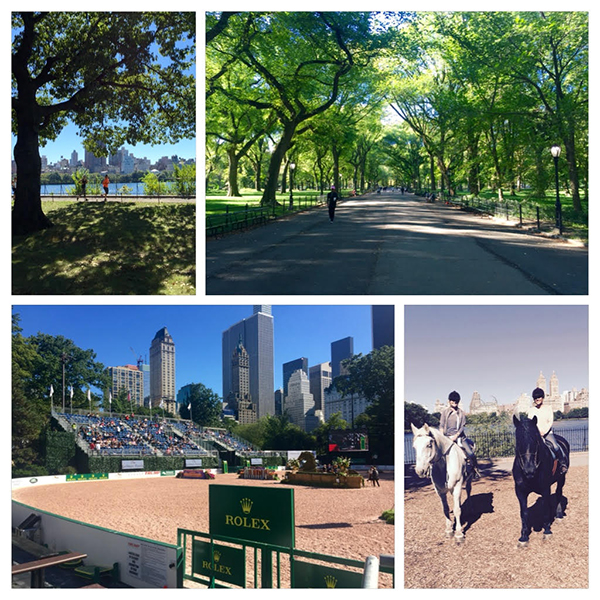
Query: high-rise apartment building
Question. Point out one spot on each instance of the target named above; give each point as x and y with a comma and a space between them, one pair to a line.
319, 377
162, 371
340, 350
130, 378
382, 326
256, 334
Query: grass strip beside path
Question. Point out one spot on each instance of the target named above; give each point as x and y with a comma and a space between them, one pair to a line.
109, 248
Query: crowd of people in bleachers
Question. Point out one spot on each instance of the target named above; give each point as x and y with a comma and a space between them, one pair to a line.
223, 437
130, 435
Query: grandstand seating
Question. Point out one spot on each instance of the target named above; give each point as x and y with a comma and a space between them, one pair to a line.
128, 435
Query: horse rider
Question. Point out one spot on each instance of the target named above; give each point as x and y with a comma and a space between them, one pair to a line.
545, 420
452, 424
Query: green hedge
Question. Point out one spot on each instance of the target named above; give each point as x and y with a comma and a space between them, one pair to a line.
112, 464
60, 452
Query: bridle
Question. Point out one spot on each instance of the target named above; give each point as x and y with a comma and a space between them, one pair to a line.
437, 455
528, 454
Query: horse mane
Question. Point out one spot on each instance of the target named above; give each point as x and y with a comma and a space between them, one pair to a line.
528, 426
443, 442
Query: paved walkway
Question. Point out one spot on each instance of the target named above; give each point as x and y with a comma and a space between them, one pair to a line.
393, 244
123, 198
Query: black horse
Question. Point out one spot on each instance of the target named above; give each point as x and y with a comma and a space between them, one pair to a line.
535, 469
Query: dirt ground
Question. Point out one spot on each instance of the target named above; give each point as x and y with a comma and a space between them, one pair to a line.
490, 556
338, 522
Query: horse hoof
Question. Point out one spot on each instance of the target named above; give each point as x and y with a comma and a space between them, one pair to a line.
448, 534
459, 540
521, 544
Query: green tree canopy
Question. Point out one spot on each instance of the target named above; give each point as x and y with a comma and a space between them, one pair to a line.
119, 77
202, 405
372, 377
37, 366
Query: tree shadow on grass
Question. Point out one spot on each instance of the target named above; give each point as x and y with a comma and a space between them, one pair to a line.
109, 248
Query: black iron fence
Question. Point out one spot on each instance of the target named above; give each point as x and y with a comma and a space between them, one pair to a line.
237, 218
527, 214
497, 444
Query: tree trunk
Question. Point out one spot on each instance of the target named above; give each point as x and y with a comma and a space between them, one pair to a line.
573, 174
233, 189
27, 214
269, 197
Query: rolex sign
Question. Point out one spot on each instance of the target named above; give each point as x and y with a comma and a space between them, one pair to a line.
252, 513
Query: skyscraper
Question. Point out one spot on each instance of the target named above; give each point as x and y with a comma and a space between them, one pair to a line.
340, 350
300, 404
382, 322
162, 371
290, 367
256, 334
319, 377
239, 399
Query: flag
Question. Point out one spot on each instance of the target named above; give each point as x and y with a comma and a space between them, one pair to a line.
71, 392
89, 396
190, 406
51, 391
110, 397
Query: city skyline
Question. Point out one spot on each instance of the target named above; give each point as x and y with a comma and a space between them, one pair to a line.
197, 333
69, 140
497, 351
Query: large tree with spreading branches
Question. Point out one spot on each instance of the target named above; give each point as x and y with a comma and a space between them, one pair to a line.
119, 77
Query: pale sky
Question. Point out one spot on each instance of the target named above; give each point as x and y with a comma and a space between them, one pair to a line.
498, 351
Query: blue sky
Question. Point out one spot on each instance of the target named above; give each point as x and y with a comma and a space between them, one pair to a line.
69, 140
112, 331
498, 351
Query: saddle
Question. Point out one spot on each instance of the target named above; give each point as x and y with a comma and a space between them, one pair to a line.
556, 458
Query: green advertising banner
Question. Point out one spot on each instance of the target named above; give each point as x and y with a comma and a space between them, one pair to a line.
310, 575
229, 564
253, 514
86, 476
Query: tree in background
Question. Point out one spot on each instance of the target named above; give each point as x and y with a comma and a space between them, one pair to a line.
206, 406
37, 367
119, 77
372, 377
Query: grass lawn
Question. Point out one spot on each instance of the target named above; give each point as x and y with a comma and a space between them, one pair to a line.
109, 248
218, 202
575, 224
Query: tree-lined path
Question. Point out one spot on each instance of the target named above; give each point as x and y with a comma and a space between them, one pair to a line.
393, 244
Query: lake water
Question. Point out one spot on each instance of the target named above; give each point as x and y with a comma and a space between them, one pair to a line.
113, 188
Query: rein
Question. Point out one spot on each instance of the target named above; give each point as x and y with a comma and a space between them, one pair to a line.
437, 457
536, 460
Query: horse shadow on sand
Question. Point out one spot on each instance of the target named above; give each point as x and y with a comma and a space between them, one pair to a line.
535, 512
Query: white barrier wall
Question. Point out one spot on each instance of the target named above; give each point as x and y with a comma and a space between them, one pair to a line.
142, 563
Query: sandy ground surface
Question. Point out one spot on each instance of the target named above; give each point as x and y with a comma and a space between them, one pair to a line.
490, 556
336, 522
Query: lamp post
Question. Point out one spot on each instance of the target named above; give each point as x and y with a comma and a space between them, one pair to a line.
555, 151
292, 167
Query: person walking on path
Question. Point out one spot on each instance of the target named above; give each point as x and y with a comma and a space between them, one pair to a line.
105, 183
332, 199
83, 187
